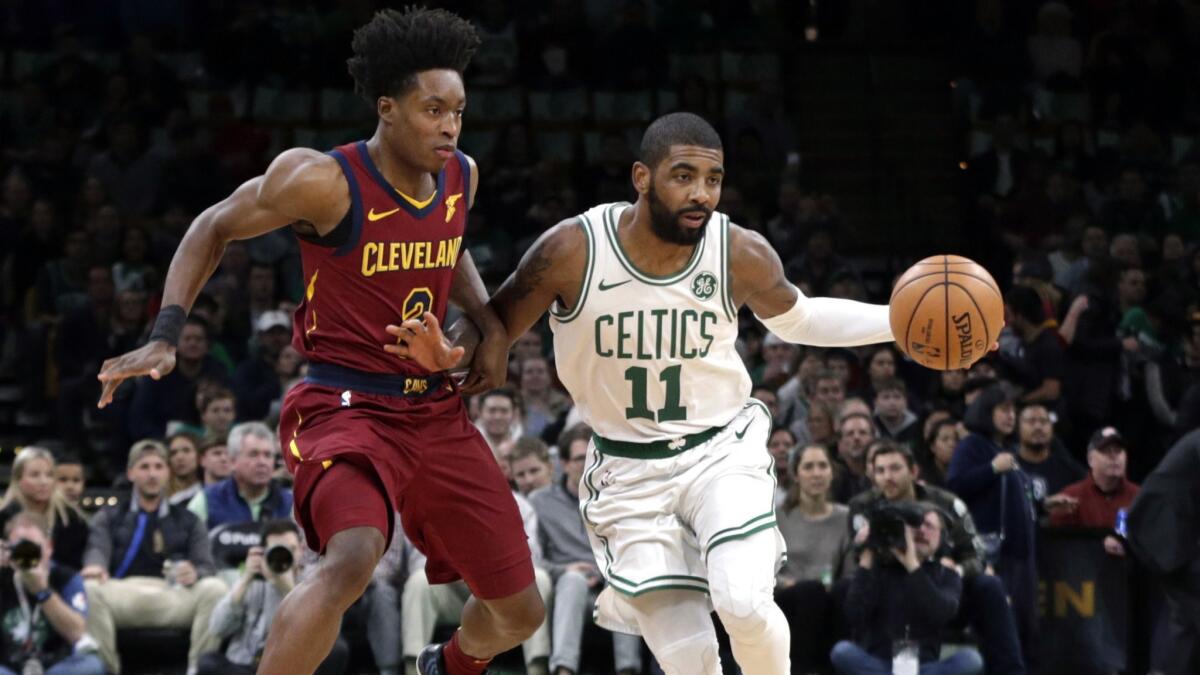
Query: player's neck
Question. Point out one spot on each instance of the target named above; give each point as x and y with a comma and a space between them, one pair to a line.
646, 250
409, 180
814, 506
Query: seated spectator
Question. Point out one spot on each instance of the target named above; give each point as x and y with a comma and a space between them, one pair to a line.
545, 405
819, 424
778, 359
243, 616
256, 380
32, 488
1050, 467
985, 602
43, 607
149, 564
943, 437
881, 366
567, 556
855, 433
500, 417
248, 494
817, 535
893, 419
217, 407
214, 460
173, 397
68, 475
985, 473
530, 463
183, 459
1106, 490
1037, 357
913, 600
781, 444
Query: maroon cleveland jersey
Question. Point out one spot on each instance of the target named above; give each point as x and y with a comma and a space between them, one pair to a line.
388, 261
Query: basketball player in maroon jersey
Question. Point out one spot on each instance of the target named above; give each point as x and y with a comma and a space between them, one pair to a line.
366, 434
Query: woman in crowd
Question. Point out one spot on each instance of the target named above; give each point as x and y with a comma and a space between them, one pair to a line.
817, 534
183, 457
33, 488
940, 442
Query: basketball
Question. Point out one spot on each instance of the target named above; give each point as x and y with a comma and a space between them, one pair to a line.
946, 312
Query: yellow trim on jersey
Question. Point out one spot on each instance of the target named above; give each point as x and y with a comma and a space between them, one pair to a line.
308, 294
417, 204
292, 444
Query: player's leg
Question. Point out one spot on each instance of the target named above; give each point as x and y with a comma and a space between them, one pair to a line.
349, 514
678, 628
741, 579
731, 507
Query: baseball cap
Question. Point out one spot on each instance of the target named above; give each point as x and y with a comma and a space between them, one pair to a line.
1104, 438
273, 318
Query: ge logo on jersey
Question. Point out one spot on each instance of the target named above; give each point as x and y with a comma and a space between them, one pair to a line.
704, 285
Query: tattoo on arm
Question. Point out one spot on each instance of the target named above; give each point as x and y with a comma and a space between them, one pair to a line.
530, 273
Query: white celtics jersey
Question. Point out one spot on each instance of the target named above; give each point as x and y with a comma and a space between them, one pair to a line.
651, 358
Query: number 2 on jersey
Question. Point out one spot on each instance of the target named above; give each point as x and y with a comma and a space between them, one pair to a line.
671, 410
419, 301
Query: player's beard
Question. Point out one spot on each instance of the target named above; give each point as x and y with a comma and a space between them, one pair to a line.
665, 223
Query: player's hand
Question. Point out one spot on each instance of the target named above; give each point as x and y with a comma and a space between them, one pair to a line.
489, 367
422, 340
155, 359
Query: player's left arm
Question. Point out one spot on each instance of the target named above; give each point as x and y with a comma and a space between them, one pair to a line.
487, 344
758, 281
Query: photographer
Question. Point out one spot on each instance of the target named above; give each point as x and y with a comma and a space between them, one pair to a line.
243, 617
149, 564
902, 592
43, 606
984, 602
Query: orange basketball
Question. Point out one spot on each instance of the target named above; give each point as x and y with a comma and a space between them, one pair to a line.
946, 311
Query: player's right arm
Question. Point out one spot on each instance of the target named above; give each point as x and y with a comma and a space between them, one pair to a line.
301, 186
552, 269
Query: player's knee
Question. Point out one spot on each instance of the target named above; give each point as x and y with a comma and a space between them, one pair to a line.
693, 655
743, 611
520, 615
350, 563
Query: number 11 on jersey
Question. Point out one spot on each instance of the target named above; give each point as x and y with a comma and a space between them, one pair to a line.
671, 410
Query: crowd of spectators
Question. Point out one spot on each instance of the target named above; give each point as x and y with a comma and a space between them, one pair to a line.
118, 128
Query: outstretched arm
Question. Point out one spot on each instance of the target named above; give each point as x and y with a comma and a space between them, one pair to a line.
551, 269
759, 282
300, 185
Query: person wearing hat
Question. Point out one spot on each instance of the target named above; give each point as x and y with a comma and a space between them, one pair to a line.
255, 383
1105, 491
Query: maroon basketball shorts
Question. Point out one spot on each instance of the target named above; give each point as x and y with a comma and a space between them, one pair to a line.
363, 446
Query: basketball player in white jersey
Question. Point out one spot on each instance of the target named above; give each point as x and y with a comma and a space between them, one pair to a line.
678, 492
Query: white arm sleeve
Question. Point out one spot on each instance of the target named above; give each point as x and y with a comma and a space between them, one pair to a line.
831, 322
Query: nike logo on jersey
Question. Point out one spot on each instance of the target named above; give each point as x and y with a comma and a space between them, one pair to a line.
372, 216
746, 428
605, 287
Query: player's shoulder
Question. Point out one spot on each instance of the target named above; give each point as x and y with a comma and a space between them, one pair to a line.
746, 242
302, 173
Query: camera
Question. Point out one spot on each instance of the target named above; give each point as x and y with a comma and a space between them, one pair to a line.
25, 554
887, 521
279, 558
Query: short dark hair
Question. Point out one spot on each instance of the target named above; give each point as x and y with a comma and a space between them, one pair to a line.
856, 416
884, 446
504, 392
680, 128
280, 526
579, 432
395, 45
1026, 303
892, 384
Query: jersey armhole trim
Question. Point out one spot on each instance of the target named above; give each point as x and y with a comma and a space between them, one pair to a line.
466, 178
727, 291
567, 315
355, 205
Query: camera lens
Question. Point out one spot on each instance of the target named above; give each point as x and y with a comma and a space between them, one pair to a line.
279, 559
25, 554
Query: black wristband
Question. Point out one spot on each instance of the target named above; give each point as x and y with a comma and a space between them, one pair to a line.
168, 325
